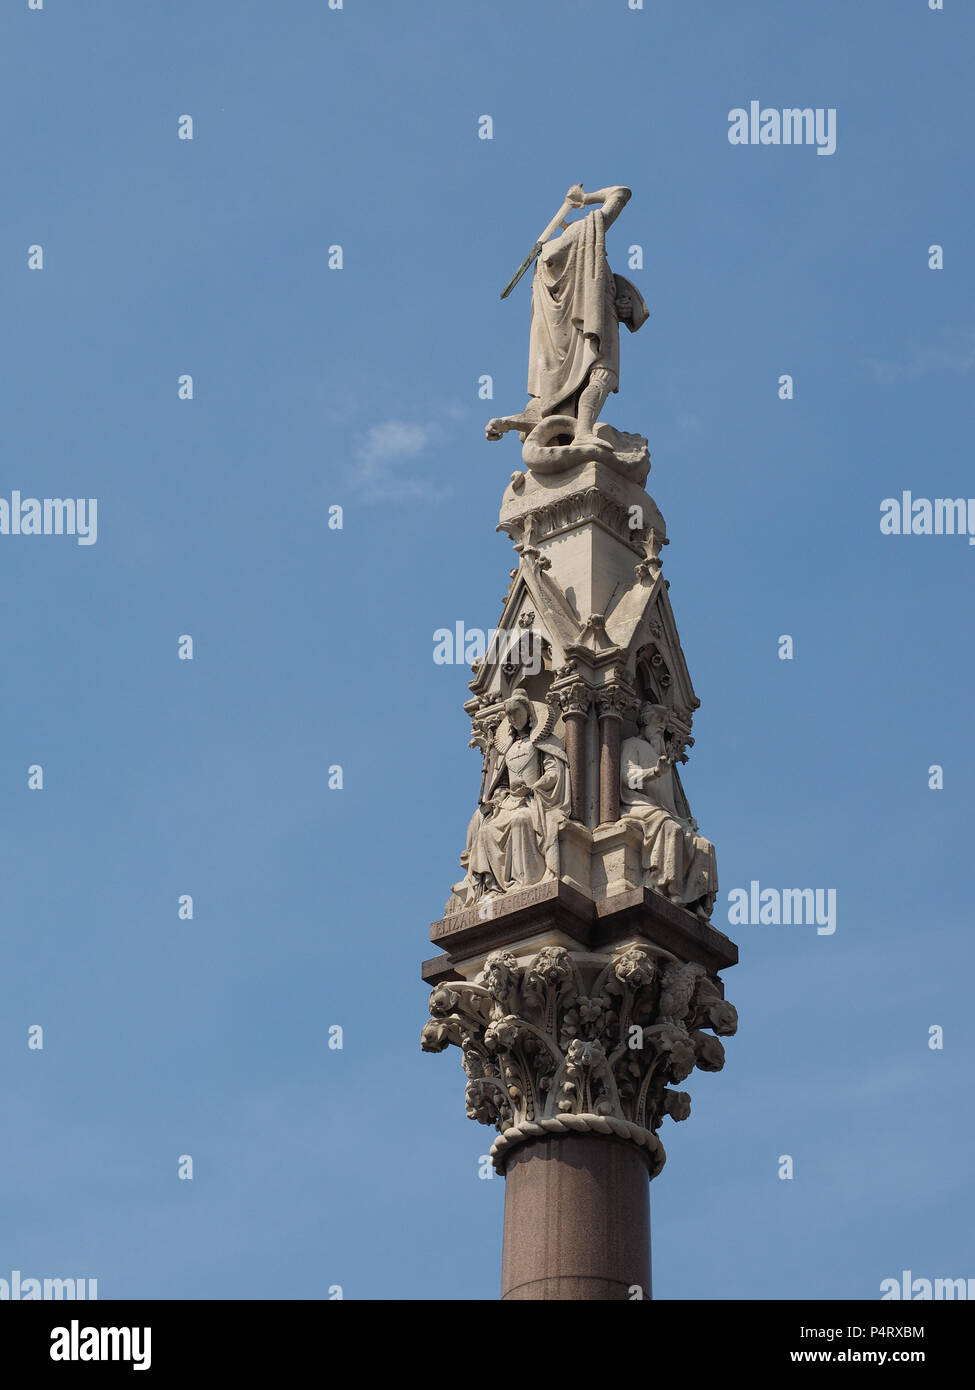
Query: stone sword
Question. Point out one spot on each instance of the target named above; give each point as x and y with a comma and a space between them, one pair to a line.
557, 221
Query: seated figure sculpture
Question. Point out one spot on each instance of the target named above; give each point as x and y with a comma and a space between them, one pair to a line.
513, 836
677, 862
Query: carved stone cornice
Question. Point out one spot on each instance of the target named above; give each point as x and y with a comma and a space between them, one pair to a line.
589, 504
573, 1044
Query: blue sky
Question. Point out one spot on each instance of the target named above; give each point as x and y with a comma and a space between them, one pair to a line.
358, 387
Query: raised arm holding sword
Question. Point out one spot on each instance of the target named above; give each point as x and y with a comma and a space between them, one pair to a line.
577, 307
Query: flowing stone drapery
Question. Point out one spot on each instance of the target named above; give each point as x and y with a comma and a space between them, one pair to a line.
677, 861
513, 836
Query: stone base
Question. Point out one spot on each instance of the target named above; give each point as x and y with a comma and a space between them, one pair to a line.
554, 913
597, 864
591, 523
552, 446
615, 864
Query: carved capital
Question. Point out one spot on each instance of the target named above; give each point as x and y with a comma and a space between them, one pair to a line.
567, 1044
575, 698
615, 701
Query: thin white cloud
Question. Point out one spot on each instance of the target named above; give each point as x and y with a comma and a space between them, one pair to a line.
927, 360
385, 454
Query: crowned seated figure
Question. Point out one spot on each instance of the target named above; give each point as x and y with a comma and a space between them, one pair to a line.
513, 836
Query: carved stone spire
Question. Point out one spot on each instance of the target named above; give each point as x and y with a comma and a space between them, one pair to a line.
579, 975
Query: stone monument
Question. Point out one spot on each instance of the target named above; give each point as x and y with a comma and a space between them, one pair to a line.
579, 974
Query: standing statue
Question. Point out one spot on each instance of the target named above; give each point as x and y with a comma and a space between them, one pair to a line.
513, 836
677, 861
577, 307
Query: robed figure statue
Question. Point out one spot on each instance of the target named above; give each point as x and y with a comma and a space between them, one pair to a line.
676, 860
577, 307
513, 836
